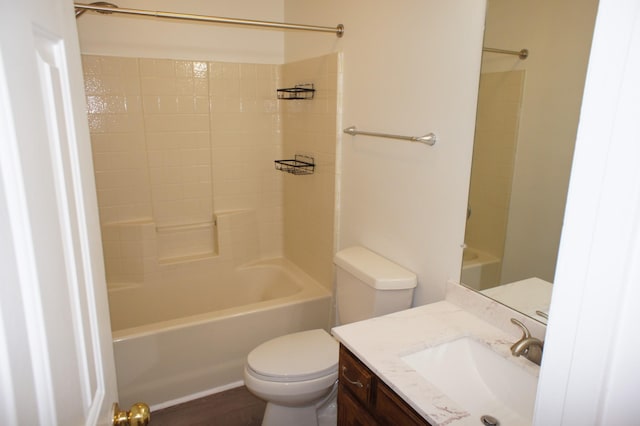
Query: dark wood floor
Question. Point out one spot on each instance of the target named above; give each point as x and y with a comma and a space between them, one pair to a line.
235, 407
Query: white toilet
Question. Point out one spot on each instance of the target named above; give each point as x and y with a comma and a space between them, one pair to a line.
297, 374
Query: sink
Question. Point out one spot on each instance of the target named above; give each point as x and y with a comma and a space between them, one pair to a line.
478, 380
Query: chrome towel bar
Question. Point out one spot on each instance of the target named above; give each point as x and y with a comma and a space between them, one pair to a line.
522, 54
428, 139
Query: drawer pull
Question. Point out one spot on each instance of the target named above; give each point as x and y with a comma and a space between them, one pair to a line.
353, 382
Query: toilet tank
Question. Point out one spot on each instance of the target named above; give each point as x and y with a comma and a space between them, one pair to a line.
369, 285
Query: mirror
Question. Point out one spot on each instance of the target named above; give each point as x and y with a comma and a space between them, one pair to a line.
527, 118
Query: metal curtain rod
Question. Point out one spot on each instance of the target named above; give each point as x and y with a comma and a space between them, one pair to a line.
338, 31
428, 139
522, 54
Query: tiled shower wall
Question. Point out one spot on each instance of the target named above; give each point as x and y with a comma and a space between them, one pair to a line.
175, 143
116, 122
311, 127
178, 143
175, 106
499, 104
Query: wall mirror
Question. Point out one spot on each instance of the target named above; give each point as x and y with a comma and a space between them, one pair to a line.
527, 118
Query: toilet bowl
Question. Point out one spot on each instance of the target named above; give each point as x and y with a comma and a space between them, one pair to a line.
297, 375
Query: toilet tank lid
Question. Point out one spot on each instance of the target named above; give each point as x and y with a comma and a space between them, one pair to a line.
375, 270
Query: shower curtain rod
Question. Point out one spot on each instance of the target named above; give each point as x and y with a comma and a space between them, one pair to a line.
108, 8
522, 54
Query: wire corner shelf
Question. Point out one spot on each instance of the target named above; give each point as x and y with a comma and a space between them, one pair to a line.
299, 91
299, 165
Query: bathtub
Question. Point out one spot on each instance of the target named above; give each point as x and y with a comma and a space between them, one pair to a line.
181, 340
480, 270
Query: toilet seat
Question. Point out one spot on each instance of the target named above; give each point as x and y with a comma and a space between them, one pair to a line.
296, 357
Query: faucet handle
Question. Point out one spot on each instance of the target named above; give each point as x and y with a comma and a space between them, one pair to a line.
525, 331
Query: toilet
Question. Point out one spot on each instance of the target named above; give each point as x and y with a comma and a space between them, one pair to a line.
297, 374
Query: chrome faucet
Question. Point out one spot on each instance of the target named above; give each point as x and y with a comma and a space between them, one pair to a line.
527, 346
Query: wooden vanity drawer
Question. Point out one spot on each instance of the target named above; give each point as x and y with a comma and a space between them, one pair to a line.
391, 410
365, 400
355, 376
351, 412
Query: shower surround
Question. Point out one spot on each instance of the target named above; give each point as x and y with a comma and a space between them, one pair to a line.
494, 153
177, 143
167, 135
183, 157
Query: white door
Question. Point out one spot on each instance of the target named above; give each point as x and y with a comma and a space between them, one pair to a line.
56, 356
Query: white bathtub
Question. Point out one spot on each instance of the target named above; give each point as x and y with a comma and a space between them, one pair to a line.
480, 270
181, 340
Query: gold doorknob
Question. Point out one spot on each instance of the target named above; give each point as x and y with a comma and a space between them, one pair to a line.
138, 415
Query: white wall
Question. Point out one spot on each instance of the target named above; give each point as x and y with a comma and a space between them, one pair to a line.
494, 148
124, 35
409, 68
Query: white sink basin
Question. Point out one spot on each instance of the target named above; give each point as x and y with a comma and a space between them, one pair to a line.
478, 380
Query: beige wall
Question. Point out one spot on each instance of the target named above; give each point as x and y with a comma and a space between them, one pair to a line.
558, 36
175, 98
246, 135
499, 103
309, 128
232, 132
116, 121
176, 144
410, 67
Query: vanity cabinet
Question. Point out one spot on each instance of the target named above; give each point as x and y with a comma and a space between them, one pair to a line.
363, 399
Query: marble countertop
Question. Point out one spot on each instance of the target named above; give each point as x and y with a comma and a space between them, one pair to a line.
380, 342
527, 296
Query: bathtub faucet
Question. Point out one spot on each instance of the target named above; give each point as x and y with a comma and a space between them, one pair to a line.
527, 346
